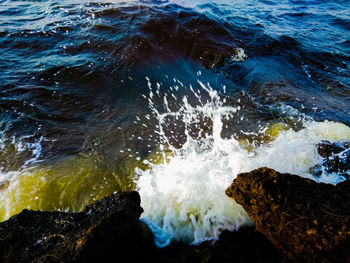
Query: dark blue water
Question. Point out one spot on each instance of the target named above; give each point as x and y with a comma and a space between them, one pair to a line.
72, 73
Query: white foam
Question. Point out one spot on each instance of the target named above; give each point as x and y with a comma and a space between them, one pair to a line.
184, 196
295, 151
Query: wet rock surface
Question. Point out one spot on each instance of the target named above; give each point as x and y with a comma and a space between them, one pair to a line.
93, 235
336, 158
308, 221
110, 231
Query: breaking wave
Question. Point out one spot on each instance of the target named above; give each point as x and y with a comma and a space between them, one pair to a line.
183, 193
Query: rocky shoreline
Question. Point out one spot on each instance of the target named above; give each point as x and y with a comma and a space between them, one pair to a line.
296, 220
110, 231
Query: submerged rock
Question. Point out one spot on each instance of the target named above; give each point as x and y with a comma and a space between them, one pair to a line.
336, 158
110, 231
308, 221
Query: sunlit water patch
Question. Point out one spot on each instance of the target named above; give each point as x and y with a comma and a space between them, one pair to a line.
67, 184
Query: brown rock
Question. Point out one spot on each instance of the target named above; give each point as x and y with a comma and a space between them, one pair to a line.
308, 221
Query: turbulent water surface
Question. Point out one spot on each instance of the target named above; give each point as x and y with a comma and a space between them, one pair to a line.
172, 98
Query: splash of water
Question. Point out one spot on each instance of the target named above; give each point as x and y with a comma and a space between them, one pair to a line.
184, 195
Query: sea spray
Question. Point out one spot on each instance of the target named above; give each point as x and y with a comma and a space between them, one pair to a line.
183, 179
184, 195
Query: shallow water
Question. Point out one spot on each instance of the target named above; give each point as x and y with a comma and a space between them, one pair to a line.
172, 98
